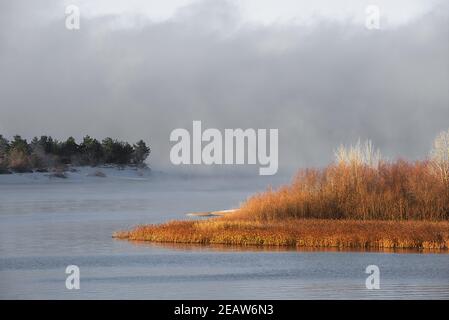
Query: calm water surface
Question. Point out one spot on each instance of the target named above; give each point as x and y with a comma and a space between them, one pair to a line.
46, 225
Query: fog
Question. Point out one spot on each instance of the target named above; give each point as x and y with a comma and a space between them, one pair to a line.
130, 76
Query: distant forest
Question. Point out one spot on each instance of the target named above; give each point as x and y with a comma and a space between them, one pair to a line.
44, 153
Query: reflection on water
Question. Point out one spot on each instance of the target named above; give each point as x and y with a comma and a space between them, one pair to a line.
46, 226
257, 248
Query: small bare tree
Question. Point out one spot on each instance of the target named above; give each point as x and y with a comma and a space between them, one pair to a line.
439, 156
359, 154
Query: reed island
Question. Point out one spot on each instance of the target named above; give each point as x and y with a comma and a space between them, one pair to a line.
359, 201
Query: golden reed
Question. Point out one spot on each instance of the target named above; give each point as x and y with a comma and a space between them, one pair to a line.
392, 205
298, 233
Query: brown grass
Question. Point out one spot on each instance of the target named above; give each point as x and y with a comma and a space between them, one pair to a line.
392, 205
298, 233
392, 191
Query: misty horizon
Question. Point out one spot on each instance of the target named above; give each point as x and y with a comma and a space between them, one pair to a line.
322, 80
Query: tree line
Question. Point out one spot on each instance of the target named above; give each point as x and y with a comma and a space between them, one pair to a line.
41, 154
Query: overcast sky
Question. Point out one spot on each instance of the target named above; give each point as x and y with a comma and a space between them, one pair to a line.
139, 69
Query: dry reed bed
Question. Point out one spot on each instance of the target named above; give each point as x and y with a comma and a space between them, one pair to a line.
399, 190
346, 205
298, 233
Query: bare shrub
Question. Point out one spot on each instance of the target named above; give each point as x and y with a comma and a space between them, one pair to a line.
439, 157
398, 190
19, 161
358, 155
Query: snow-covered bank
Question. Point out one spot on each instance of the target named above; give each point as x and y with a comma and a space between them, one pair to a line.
77, 173
204, 180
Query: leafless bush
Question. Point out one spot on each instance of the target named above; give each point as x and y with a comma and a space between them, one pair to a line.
439, 156
358, 155
19, 161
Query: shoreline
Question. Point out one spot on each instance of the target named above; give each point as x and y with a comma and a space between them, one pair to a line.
79, 173
298, 233
219, 213
271, 249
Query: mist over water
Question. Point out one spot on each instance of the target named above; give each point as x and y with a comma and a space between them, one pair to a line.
321, 83
141, 69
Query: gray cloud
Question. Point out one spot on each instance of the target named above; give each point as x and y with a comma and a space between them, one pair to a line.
321, 85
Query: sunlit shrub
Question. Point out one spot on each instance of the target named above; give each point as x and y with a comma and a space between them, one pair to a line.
393, 191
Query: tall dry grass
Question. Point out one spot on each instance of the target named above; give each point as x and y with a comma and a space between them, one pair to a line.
345, 205
298, 233
397, 190
360, 201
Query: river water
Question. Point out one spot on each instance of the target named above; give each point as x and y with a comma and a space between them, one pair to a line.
48, 224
